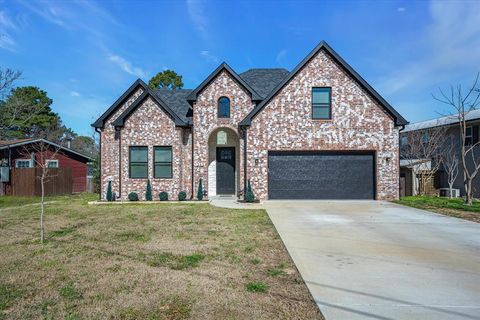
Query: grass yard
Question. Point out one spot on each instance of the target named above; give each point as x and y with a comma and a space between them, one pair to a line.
163, 261
451, 207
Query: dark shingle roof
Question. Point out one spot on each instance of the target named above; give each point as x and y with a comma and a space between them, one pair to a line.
264, 80
177, 101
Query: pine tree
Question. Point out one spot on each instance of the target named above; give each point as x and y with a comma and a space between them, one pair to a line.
249, 196
148, 192
200, 191
109, 191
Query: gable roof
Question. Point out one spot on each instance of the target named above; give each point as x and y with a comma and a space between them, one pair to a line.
22, 142
224, 66
100, 122
264, 80
399, 120
177, 101
120, 121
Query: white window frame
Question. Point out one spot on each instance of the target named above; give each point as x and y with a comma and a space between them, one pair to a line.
30, 163
51, 160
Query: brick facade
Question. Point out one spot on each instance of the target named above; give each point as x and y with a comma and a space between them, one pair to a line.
358, 123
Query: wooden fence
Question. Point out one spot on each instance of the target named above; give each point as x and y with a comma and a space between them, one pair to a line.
26, 181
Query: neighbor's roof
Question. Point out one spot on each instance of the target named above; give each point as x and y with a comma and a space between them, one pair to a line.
412, 162
442, 121
21, 142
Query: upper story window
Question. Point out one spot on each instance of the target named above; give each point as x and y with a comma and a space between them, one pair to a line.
468, 136
224, 107
321, 103
138, 162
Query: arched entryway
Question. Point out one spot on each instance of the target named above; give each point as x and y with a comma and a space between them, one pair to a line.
223, 162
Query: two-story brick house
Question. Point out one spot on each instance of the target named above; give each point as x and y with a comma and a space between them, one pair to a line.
316, 132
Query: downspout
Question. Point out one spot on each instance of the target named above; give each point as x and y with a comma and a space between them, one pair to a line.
119, 163
193, 182
100, 160
244, 161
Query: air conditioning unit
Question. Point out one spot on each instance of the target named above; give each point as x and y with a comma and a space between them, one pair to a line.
445, 192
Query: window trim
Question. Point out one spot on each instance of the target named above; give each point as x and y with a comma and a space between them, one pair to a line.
52, 160
469, 136
163, 162
30, 163
229, 108
130, 162
317, 104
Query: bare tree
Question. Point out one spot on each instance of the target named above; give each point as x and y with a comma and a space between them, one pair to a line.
7, 78
423, 149
463, 103
450, 161
40, 152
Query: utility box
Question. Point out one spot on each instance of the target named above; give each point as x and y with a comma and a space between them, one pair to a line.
445, 192
4, 174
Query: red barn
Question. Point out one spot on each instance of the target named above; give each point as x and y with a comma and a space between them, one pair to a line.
70, 165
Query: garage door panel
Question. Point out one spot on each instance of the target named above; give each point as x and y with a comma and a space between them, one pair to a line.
307, 175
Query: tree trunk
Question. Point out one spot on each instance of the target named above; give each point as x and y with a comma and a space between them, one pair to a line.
450, 188
468, 192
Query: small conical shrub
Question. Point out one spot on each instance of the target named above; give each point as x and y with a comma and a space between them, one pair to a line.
109, 191
200, 190
249, 196
148, 192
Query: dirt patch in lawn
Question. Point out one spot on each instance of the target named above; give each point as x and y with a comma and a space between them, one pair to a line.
165, 261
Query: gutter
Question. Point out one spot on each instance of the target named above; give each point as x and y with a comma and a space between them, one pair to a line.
99, 160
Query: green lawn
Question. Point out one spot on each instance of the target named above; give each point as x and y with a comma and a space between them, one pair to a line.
161, 261
9, 201
452, 207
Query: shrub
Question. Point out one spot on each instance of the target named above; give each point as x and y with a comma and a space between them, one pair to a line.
200, 190
148, 192
133, 196
109, 191
163, 196
182, 195
249, 196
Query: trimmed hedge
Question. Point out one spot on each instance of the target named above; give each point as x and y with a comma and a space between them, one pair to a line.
182, 195
133, 196
163, 196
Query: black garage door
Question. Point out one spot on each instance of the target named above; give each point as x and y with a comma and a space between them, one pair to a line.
321, 175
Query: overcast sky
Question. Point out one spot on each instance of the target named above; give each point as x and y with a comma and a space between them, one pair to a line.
86, 53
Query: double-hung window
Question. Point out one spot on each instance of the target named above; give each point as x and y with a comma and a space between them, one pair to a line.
162, 159
321, 103
468, 136
138, 162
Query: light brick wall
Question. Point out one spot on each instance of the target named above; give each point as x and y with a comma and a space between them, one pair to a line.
206, 121
110, 148
150, 126
358, 123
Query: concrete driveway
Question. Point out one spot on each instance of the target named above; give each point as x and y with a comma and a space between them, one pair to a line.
377, 260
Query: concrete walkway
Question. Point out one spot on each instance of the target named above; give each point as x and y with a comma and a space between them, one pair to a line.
377, 260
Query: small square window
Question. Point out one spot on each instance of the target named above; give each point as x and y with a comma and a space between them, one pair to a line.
321, 103
23, 163
52, 163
